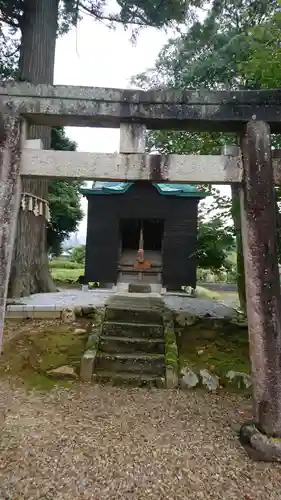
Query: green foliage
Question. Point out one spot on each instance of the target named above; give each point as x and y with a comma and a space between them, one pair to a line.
64, 199
78, 254
64, 264
139, 12
214, 244
263, 64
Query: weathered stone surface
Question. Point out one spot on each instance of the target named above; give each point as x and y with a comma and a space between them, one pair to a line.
132, 330
88, 311
68, 315
133, 363
189, 379
87, 365
130, 379
62, 372
80, 331
131, 345
209, 380
259, 446
10, 191
93, 339
139, 288
132, 138
132, 167
172, 380
134, 315
258, 212
200, 110
185, 319
241, 379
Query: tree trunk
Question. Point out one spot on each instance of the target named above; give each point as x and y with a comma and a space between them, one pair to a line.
236, 215
30, 270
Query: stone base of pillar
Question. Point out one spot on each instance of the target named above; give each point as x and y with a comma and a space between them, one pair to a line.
258, 445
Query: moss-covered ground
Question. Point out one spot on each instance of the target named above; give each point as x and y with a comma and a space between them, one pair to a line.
31, 348
216, 349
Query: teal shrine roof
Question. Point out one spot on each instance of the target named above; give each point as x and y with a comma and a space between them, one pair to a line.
184, 190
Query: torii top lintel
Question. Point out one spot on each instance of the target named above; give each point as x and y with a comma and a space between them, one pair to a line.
157, 109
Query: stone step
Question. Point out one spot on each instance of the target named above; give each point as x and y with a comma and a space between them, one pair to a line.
131, 345
114, 313
132, 363
133, 330
129, 378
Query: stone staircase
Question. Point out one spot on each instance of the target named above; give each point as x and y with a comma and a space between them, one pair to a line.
131, 345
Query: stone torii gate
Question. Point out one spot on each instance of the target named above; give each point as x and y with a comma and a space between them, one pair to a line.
255, 168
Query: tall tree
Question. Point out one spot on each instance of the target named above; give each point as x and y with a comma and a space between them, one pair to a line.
39, 23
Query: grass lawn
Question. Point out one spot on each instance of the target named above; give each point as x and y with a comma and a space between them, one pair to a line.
66, 275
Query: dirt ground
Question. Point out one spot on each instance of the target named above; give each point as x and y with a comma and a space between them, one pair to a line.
102, 443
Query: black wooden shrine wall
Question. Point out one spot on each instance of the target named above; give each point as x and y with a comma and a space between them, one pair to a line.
142, 201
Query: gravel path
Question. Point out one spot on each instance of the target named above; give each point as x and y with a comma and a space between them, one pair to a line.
105, 443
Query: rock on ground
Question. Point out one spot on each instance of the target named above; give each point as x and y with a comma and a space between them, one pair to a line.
106, 443
62, 372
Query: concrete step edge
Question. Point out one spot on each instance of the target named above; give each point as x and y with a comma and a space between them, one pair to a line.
132, 356
134, 340
132, 325
126, 375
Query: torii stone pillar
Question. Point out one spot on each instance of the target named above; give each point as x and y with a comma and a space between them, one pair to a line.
10, 191
258, 213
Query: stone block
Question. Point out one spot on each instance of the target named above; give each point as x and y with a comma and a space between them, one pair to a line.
131, 345
209, 380
189, 379
139, 288
63, 372
133, 330
131, 363
68, 315
172, 381
88, 311
87, 365
80, 331
185, 319
134, 315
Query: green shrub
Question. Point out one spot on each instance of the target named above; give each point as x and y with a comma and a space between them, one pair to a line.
64, 264
78, 254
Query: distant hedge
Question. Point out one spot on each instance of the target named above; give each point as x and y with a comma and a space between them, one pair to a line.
64, 264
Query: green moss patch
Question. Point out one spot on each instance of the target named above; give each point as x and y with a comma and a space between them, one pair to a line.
34, 347
218, 346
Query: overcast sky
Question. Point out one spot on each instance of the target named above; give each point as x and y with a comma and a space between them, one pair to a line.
95, 56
